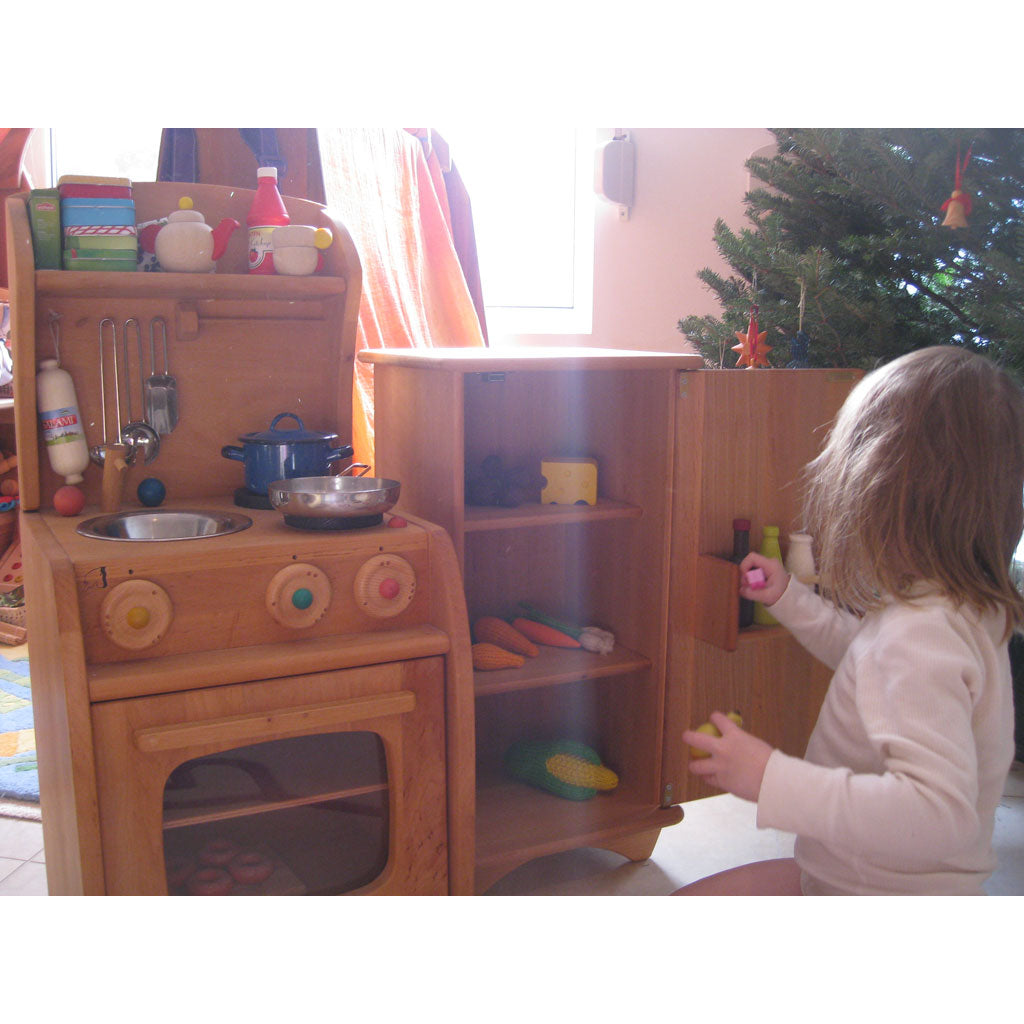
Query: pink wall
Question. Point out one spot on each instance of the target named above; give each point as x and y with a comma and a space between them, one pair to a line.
645, 268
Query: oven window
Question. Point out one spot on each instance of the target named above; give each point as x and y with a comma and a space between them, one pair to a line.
301, 816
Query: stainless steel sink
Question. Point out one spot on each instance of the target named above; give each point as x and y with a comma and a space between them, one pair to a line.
163, 524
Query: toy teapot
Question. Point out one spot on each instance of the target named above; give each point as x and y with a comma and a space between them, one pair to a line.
187, 244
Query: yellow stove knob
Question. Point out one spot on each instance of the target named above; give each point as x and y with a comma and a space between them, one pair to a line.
136, 614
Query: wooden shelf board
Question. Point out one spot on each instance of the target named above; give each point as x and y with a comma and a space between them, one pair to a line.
103, 284
556, 665
486, 517
181, 818
516, 823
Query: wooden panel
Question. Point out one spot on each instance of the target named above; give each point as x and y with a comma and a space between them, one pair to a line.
64, 743
230, 336
743, 438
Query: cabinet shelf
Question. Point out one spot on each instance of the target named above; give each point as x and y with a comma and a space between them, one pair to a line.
533, 514
117, 284
516, 823
183, 818
557, 665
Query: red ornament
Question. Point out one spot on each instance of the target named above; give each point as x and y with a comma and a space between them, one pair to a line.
958, 206
752, 349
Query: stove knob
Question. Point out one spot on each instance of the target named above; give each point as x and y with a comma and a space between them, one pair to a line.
136, 614
298, 596
385, 585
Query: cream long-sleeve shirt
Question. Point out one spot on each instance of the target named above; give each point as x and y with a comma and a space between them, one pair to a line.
898, 789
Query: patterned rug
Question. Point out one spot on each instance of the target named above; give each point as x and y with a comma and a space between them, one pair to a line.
19, 777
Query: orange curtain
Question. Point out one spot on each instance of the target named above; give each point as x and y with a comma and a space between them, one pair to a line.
378, 183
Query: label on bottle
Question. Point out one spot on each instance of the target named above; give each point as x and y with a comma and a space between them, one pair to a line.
61, 426
261, 249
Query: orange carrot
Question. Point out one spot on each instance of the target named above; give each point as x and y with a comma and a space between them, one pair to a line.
541, 634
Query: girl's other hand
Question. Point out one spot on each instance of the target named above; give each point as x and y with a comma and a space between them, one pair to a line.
776, 579
738, 758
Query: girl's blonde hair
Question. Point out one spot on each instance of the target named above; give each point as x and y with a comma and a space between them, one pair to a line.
922, 478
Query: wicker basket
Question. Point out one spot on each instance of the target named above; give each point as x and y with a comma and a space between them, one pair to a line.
14, 614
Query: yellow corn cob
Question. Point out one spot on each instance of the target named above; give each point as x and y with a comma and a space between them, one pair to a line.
491, 656
579, 772
492, 630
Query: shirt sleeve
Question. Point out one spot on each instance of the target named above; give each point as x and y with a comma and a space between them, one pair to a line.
818, 625
913, 698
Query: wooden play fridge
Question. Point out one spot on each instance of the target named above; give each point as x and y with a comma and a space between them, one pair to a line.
681, 451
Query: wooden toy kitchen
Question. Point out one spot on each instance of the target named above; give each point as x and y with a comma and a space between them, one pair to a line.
298, 700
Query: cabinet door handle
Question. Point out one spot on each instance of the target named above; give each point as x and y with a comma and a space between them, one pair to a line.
271, 724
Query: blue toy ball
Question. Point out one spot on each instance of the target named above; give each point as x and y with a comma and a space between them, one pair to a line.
151, 492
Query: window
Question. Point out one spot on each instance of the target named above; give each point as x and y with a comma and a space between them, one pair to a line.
533, 215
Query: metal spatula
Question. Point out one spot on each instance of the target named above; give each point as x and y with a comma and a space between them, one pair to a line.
161, 389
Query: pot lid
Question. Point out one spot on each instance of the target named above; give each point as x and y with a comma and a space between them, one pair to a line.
278, 435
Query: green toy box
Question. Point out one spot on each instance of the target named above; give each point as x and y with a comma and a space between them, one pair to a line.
44, 220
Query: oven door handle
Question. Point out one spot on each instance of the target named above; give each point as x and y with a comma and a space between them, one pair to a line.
274, 724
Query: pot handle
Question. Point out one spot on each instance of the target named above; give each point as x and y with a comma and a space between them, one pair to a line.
231, 451
355, 465
285, 415
340, 453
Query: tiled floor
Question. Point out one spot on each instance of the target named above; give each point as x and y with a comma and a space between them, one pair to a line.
715, 834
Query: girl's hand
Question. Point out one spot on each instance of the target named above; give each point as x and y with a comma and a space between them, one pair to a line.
738, 759
776, 579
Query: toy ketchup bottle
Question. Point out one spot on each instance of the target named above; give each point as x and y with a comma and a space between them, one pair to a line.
266, 213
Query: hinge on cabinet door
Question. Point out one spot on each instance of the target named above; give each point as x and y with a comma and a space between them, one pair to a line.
684, 384
494, 377
666, 796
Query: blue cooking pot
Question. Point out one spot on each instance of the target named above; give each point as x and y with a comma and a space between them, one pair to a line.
279, 454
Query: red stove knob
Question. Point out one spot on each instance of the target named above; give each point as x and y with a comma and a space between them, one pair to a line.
384, 586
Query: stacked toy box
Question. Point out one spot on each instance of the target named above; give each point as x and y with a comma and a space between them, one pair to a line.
98, 221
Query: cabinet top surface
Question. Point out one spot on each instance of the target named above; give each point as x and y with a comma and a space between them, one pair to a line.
473, 360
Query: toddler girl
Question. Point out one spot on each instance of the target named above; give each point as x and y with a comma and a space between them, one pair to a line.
915, 504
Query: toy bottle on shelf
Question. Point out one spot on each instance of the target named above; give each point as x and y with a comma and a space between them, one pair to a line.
770, 549
740, 550
266, 213
800, 559
60, 422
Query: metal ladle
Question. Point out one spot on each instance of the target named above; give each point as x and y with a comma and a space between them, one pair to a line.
137, 434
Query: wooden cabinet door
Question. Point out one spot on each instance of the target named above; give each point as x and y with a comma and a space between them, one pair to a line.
742, 440
395, 769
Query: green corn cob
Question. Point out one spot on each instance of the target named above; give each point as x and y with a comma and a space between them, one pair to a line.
551, 766
578, 772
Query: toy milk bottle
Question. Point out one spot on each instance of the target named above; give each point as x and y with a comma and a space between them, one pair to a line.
800, 559
770, 549
266, 213
60, 422
740, 550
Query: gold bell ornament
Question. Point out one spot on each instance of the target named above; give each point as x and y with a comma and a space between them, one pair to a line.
958, 206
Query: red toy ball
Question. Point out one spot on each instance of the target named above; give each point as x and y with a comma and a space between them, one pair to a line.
68, 500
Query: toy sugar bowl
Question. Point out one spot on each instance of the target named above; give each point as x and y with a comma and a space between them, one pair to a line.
298, 248
187, 244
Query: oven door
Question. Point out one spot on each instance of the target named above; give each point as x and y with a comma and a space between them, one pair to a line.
316, 784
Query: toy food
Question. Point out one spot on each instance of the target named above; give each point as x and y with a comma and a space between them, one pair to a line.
491, 656
492, 630
542, 634
566, 768
709, 729
68, 500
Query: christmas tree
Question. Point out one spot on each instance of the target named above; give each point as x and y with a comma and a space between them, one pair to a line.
847, 260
